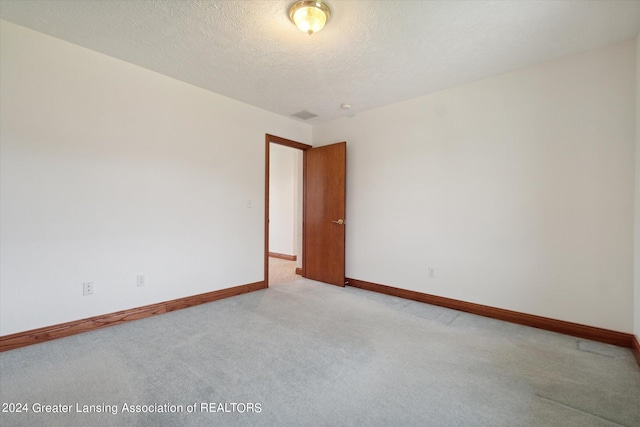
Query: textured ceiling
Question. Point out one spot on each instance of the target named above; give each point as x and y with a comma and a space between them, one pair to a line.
372, 53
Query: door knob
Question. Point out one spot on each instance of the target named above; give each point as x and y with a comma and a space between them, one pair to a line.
339, 222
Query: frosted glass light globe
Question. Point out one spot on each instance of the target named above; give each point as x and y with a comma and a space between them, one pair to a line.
309, 16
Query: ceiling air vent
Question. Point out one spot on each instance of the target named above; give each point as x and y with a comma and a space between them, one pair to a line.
304, 115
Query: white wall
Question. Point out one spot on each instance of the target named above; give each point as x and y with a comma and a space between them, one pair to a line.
109, 170
282, 195
517, 190
636, 261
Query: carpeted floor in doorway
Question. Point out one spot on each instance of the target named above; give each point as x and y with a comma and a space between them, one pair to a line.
281, 271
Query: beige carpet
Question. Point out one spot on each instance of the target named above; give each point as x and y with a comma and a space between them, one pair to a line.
281, 271
312, 354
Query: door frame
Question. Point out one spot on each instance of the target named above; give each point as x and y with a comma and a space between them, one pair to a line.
287, 143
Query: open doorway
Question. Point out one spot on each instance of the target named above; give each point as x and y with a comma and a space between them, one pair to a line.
284, 193
285, 213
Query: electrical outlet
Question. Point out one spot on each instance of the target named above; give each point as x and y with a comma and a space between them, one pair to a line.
140, 281
431, 272
87, 288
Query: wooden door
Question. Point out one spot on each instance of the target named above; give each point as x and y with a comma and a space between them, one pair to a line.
324, 213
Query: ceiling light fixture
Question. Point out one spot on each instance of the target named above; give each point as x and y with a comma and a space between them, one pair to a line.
309, 16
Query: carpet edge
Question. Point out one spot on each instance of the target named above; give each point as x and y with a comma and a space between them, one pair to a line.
607, 336
48, 333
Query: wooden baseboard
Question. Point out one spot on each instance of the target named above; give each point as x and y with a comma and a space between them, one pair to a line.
283, 256
22, 339
635, 347
574, 329
299, 271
